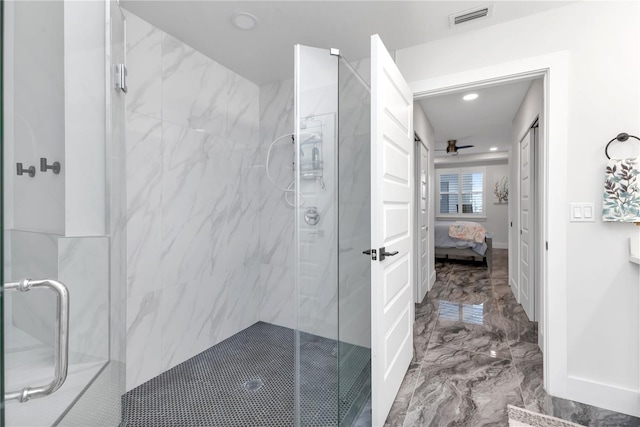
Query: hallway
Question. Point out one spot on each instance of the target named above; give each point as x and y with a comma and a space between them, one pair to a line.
475, 353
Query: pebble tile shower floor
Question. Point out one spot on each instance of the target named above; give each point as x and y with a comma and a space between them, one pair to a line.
209, 389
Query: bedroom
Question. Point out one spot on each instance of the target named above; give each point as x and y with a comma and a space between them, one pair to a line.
477, 140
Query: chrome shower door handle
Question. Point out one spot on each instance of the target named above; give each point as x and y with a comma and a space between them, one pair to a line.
61, 351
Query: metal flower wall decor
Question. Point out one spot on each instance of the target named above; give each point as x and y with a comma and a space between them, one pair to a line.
501, 190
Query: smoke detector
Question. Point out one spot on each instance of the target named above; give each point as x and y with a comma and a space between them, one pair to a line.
471, 15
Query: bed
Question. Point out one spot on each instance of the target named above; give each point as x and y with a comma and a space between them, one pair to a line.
449, 247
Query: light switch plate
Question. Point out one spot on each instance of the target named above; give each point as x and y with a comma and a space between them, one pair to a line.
582, 212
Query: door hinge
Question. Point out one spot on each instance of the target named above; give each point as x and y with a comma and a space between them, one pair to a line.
121, 77
546, 245
511, 224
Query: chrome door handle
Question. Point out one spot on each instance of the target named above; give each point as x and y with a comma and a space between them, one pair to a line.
61, 356
384, 253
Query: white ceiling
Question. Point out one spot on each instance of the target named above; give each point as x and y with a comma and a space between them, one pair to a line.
484, 122
265, 54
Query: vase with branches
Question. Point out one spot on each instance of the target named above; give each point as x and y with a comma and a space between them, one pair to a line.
501, 190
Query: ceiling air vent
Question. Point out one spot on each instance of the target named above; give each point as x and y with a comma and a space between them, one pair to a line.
470, 15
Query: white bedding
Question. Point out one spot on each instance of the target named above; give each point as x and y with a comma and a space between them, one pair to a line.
442, 239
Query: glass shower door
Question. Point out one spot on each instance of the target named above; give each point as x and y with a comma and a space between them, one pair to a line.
62, 320
332, 230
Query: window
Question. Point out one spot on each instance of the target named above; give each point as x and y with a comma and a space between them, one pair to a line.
461, 192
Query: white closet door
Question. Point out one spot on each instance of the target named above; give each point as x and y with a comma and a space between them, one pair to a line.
527, 297
423, 223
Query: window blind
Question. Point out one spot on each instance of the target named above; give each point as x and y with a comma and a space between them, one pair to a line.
462, 193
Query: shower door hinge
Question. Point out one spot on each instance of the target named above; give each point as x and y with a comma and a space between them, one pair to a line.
121, 77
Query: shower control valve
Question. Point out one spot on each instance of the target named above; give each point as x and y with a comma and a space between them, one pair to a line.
312, 216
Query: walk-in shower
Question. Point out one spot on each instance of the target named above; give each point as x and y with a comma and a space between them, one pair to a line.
308, 361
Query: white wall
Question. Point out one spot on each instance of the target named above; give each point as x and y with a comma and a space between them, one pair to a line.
422, 126
193, 202
601, 287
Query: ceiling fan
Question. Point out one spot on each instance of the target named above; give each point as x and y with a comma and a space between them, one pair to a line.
452, 148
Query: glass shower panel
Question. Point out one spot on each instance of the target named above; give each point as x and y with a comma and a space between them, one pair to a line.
316, 107
354, 237
332, 229
61, 319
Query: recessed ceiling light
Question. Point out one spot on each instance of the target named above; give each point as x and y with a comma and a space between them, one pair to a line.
493, 149
470, 96
244, 21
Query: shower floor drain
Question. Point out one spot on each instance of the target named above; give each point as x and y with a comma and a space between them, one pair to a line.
253, 385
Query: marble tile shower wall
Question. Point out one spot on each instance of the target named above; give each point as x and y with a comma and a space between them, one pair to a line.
317, 313
354, 214
193, 190
277, 245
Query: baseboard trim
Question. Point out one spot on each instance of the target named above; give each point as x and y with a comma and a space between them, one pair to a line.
500, 245
605, 396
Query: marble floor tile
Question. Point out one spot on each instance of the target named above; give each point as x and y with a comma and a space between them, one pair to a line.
457, 387
428, 308
588, 415
468, 293
527, 359
484, 339
426, 319
501, 290
439, 290
398, 411
466, 275
518, 329
477, 353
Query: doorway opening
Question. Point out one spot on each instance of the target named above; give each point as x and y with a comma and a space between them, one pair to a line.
489, 179
472, 307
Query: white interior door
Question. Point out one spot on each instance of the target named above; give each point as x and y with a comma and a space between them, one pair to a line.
423, 222
527, 297
392, 211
